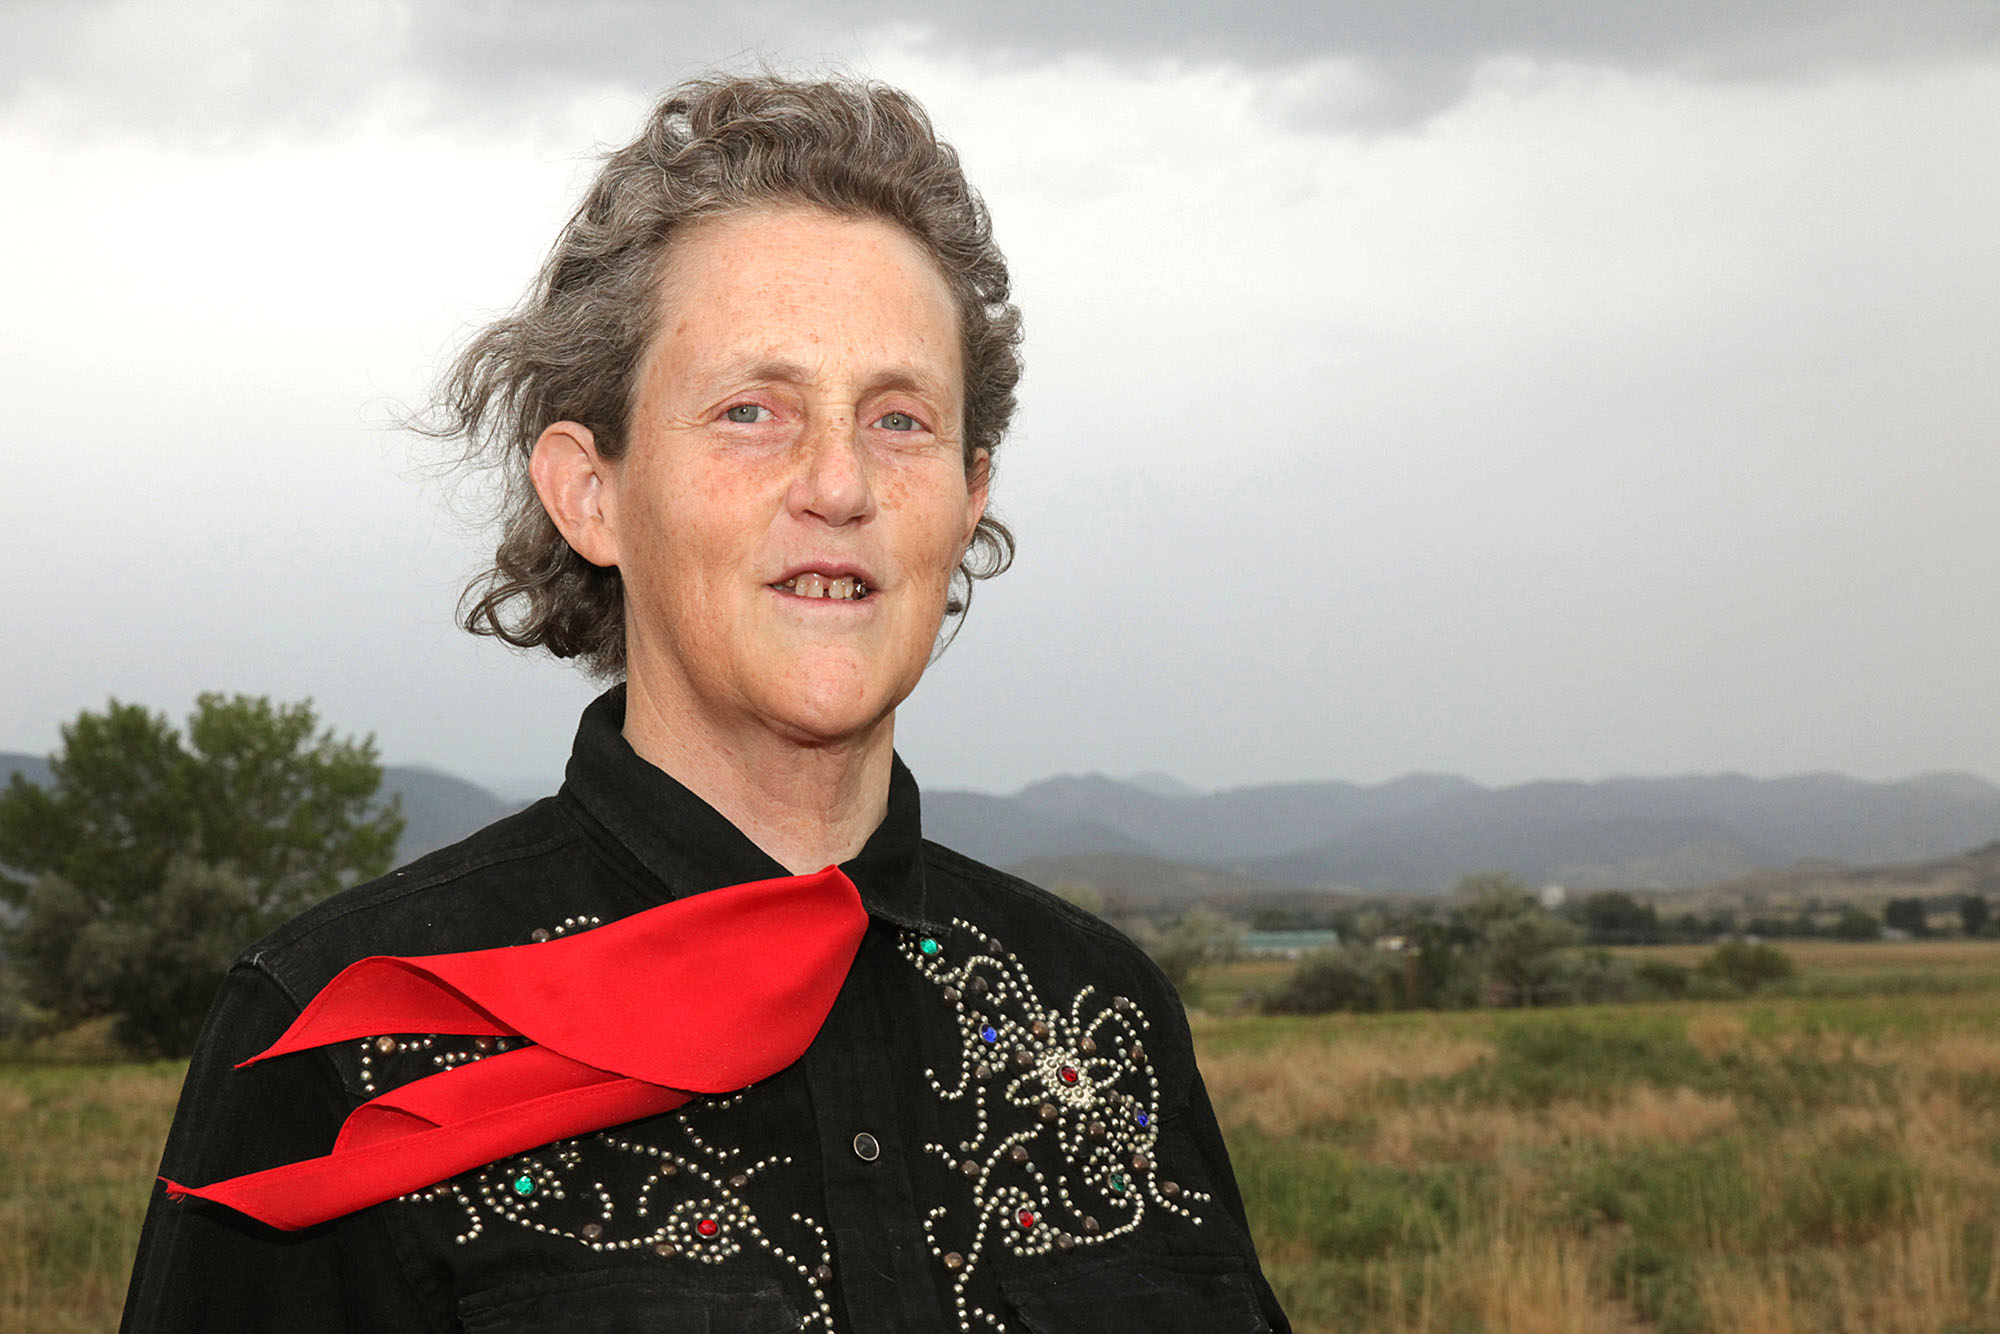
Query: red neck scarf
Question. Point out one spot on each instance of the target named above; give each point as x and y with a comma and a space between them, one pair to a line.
707, 994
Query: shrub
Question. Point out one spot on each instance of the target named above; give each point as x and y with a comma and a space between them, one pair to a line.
1342, 979
1747, 967
1597, 977
1857, 924
1658, 978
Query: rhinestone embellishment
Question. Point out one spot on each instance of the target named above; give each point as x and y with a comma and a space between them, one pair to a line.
1058, 1135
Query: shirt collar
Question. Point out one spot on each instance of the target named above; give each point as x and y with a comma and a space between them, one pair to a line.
689, 846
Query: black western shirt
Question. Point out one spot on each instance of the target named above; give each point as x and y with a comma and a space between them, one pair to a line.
999, 1127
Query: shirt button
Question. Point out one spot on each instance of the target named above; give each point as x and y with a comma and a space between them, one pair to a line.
865, 1147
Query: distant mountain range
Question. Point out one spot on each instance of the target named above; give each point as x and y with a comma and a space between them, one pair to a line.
1423, 832
1151, 837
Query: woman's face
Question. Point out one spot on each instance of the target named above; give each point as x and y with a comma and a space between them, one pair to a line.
793, 498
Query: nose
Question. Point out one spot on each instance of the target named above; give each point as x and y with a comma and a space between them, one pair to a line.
833, 482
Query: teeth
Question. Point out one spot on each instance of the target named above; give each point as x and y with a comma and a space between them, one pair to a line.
845, 589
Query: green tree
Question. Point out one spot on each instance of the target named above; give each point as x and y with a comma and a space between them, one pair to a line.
1857, 924
1199, 937
1745, 966
1616, 918
1906, 915
154, 855
1973, 914
1347, 978
1521, 948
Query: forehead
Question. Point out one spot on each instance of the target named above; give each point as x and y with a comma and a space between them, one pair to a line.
797, 285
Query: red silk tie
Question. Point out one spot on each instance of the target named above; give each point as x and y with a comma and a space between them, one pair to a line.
707, 994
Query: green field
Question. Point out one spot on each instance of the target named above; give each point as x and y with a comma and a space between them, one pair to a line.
1824, 1159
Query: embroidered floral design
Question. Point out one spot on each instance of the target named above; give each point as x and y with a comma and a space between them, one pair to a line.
690, 1204
1065, 1116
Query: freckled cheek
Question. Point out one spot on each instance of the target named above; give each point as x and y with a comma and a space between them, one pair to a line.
931, 520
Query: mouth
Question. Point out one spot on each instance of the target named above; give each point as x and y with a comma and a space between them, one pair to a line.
837, 588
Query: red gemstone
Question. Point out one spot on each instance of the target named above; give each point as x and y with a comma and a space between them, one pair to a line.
1069, 1074
707, 1227
1027, 1218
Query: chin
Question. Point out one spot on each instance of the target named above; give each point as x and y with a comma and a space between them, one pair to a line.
817, 728
823, 707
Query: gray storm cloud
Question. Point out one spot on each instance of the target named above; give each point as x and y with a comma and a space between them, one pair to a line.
223, 72
1518, 390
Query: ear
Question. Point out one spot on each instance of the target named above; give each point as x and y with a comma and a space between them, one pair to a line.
577, 486
975, 485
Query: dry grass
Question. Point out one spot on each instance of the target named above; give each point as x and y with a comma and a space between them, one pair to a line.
1413, 1136
1337, 1082
1787, 1165
78, 1148
1519, 1284
1777, 1166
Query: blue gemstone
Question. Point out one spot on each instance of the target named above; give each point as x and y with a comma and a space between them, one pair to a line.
1144, 1119
987, 1034
928, 946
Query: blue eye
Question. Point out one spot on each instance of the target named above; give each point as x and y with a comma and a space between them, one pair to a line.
899, 421
747, 414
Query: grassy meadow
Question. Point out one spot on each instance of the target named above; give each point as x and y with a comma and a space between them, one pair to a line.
1825, 1158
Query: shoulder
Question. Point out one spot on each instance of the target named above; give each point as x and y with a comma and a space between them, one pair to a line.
1067, 958
491, 888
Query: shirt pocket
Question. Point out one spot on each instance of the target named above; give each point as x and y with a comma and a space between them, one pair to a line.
1141, 1295
668, 1303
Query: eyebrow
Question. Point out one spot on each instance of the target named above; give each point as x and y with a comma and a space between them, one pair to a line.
792, 372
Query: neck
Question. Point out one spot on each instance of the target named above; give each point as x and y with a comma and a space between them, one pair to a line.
807, 805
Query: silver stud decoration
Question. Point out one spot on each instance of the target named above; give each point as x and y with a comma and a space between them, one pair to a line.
690, 1202
1063, 1113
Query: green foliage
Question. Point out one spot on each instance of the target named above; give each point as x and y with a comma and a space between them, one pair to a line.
1199, 937
1496, 946
1349, 978
1520, 945
1657, 977
1747, 967
1973, 914
1906, 915
1616, 918
154, 854
1595, 977
1857, 924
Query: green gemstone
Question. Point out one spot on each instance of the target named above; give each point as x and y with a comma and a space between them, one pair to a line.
928, 946
524, 1184
1118, 1182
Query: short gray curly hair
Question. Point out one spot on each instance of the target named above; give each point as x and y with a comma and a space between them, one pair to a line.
571, 350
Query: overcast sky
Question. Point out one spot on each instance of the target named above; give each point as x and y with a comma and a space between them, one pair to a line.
1560, 389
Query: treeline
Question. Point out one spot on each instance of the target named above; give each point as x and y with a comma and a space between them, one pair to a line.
1495, 944
1613, 917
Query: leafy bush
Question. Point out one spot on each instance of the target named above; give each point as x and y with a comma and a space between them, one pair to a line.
1747, 967
1344, 979
1199, 937
1595, 977
1656, 978
1857, 924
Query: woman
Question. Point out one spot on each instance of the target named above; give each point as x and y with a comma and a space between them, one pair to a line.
748, 415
